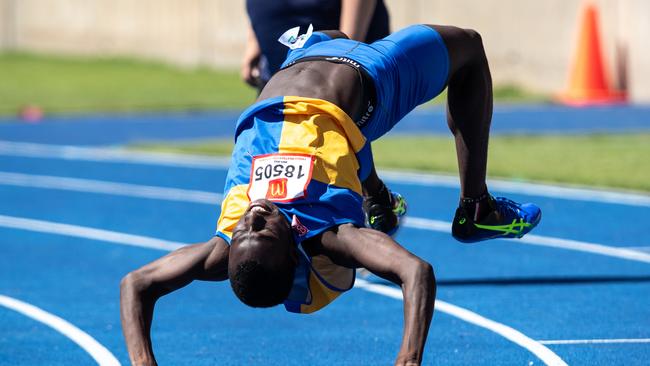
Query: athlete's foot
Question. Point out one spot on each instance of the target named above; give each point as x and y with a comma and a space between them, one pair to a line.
503, 219
385, 211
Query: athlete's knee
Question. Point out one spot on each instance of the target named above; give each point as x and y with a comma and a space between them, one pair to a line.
472, 36
470, 43
475, 43
464, 45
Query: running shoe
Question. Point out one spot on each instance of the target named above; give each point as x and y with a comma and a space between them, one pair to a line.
385, 216
508, 219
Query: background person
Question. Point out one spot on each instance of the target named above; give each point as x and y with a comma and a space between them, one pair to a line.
361, 20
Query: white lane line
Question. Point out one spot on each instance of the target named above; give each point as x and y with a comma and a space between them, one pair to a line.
641, 249
596, 341
114, 188
511, 334
87, 233
532, 189
110, 155
120, 155
127, 239
203, 197
102, 355
581, 246
546, 241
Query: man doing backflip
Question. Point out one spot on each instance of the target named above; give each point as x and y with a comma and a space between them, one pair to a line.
291, 228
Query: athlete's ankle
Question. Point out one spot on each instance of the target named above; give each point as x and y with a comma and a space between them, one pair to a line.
381, 196
477, 207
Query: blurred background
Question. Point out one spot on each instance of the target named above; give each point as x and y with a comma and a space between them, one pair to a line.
530, 44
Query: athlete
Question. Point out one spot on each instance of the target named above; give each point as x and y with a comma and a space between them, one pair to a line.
291, 229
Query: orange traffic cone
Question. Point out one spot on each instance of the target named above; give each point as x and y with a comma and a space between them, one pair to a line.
588, 83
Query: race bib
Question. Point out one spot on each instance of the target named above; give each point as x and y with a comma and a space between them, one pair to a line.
280, 177
291, 39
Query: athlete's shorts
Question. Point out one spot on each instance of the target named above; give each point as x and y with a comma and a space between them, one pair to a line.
408, 68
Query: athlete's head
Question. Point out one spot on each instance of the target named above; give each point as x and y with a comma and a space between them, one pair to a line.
263, 257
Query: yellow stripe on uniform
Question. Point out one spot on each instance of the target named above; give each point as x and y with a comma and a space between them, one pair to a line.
318, 127
232, 209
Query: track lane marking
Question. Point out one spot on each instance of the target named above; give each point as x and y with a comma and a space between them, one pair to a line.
121, 155
106, 187
595, 341
640, 249
531, 189
110, 155
98, 352
209, 198
85, 232
543, 353
546, 241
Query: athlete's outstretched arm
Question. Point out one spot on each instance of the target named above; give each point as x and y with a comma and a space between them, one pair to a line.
140, 289
361, 247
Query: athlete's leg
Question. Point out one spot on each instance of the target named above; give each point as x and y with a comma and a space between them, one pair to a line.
469, 113
383, 207
469, 105
425, 60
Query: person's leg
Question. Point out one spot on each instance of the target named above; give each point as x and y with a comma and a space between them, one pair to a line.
469, 113
469, 106
428, 58
384, 208
421, 61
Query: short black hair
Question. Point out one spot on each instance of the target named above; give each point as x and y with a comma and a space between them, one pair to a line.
260, 287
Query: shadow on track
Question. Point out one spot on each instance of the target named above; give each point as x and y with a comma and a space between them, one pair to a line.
517, 281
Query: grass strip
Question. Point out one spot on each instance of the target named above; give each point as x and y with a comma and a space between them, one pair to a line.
67, 84
72, 84
614, 161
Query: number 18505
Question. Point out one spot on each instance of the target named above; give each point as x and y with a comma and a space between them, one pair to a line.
279, 170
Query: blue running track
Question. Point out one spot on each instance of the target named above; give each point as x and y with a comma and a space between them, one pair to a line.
73, 221
123, 128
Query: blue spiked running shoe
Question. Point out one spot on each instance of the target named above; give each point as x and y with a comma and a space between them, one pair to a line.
507, 219
385, 215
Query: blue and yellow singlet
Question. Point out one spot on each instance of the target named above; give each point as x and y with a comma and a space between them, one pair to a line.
303, 155
308, 157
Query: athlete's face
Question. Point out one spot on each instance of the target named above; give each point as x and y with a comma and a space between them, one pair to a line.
263, 232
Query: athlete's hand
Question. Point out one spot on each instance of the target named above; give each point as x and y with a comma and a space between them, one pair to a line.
406, 361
